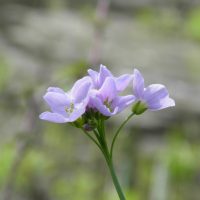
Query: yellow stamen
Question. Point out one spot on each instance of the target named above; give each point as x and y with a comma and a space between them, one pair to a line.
70, 109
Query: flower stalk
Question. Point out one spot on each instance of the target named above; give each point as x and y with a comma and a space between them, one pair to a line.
95, 98
100, 141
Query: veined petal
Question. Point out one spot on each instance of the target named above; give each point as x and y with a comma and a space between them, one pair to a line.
55, 89
155, 92
108, 91
103, 74
157, 97
162, 104
123, 101
138, 83
94, 76
53, 117
55, 99
123, 81
80, 89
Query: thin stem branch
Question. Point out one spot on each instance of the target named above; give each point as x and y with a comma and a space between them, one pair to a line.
86, 133
117, 133
97, 134
101, 142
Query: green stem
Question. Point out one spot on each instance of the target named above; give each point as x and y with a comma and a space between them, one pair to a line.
109, 160
117, 133
100, 141
99, 146
115, 181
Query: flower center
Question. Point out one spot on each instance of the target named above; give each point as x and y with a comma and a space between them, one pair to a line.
70, 109
108, 104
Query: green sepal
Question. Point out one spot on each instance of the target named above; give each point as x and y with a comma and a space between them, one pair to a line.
139, 108
78, 123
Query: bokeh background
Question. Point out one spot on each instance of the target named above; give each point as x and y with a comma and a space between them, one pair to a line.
52, 43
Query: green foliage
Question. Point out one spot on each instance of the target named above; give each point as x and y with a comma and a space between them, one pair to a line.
133, 195
164, 22
192, 25
181, 157
79, 187
34, 164
7, 154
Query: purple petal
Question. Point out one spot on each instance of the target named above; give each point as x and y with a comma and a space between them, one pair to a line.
123, 101
55, 99
138, 83
98, 104
108, 90
103, 74
94, 76
123, 81
52, 117
76, 113
55, 89
157, 97
155, 92
162, 104
80, 89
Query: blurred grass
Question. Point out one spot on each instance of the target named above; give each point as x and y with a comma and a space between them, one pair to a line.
4, 72
7, 154
192, 24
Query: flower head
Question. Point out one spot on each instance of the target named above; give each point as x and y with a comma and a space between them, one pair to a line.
154, 97
107, 101
98, 78
67, 107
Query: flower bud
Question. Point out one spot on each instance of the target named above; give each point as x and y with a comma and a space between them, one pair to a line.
139, 107
88, 127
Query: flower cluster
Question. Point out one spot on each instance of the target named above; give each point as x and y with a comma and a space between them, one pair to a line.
99, 93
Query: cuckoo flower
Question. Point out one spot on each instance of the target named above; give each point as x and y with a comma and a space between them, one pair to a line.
154, 97
67, 107
107, 101
98, 78
96, 96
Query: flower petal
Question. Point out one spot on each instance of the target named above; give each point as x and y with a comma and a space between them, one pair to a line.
103, 74
123, 101
138, 83
55, 99
55, 89
53, 117
162, 104
80, 89
108, 91
94, 76
98, 104
76, 113
155, 92
123, 81
157, 97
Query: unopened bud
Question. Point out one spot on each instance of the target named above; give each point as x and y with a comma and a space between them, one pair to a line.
88, 127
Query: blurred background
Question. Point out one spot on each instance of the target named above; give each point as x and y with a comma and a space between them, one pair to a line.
52, 43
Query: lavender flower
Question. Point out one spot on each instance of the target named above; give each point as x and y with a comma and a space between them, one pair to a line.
154, 97
98, 78
99, 93
67, 107
107, 101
